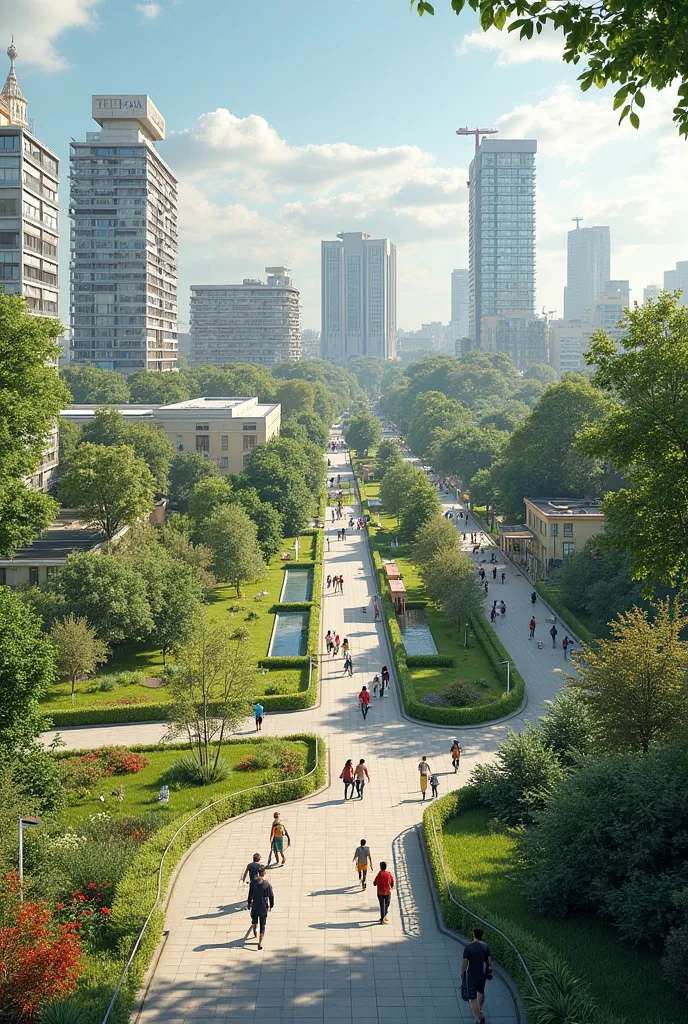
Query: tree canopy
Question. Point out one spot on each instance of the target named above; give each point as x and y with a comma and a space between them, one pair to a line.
109, 427
363, 432
108, 487
78, 650
109, 592
27, 668
233, 539
186, 470
91, 384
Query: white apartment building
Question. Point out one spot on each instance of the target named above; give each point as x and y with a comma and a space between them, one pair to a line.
676, 280
123, 205
359, 298
250, 322
28, 223
587, 270
610, 307
459, 305
568, 343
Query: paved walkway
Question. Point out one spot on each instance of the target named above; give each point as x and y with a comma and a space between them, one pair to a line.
326, 957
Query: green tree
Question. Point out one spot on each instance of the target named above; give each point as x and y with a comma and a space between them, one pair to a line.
233, 539
93, 386
541, 371
433, 412
397, 482
295, 396
211, 690
388, 455
281, 472
312, 423
158, 388
27, 669
109, 427
452, 583
421, 505
78, 650
635, 683
568, 727
597, 581
31, 397
208, 495
463, 452
437, 537
70, 436
107, 591
230, 380
623, 44
369, 374
186, 470
646, 434
267, 519
363, 432
108, 487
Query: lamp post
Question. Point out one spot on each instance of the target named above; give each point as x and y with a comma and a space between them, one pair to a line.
465, 635
24, 823
508, 676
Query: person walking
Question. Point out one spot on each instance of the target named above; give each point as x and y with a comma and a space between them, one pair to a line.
345, 646
476, 969
362, 859
350, 665
341, 584
425, 771
553, 633
533, 597
434, 785
376, 608
361, 774
376, 685
364, 698
385, 680
329, 582
258, 711
335, 649
502, 609
494, 573
566, 643
328, 641
261, 900
252, 868
347, 777
277, 836
493, 614
531, 626
503, 577
455, 756
327, 541
384, 883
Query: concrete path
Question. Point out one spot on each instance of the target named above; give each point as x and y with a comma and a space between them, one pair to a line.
326, 957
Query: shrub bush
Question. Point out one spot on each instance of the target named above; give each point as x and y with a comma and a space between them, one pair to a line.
62, 1013
106, 685
189, 770
429, 660
460, 694
115, 761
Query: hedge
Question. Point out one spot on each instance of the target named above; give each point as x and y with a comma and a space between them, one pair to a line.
552, 598
429, 660
136, 892
448, 716
416, 604
291, 606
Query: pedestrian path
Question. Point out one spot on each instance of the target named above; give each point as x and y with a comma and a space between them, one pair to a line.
326, 957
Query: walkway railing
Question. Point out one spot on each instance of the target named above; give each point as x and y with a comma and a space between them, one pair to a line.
144, 927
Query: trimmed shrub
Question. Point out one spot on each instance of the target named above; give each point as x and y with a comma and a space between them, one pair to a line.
189, 769
429, 660
460, 695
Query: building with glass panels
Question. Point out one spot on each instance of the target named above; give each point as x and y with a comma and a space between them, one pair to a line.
359, 298
501, 232
587, 270
123, 205
28, 223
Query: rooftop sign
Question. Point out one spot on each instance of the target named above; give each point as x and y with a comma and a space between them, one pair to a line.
136, 108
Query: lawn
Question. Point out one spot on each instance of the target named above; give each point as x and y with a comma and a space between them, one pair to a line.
140, 790
621, 978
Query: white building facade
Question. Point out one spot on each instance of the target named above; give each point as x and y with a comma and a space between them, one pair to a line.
568, 342
359, 298
459, 306
251, 322
676, 280
29, 175
123, 205
587, 271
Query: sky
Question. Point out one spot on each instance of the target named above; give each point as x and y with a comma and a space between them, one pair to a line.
288, 122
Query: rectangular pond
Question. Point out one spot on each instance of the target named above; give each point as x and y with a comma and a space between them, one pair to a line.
290, 635
415, 632
297, 586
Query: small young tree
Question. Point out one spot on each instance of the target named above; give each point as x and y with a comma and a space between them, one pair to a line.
396, 485
212, 688
110, 487
451, 582
27, 668
233, 539
363, 432
420, 507
437, 537
78, 651
388, 455
635, 683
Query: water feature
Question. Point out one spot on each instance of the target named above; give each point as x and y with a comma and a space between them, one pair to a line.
297, 586
415, 632
290, 635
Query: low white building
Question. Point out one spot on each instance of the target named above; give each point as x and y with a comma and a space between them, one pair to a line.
568, 343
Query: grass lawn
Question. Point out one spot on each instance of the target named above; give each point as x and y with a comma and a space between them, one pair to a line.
140, 790
470, 663
621, 978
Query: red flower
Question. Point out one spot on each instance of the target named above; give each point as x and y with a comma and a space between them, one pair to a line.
91, 885
104, 910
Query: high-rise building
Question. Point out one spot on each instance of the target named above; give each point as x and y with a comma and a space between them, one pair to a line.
587, 270
609, 309
501, 230
568, 343
651, 291
459, 301
520, 334
310, 344
251, 322
359, 298
28, 223
123, 205
677, 281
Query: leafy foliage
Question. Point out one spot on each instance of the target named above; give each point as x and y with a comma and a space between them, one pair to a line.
597, 580
109, 427
78, 651
91, 385
108, 592
108, 487
186, 470
520, 782
363, 432
27, 669
233, 538
421, 505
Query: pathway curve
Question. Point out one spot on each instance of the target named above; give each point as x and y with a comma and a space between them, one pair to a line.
326, 957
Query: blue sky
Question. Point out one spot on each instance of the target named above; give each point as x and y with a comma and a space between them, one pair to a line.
289, 122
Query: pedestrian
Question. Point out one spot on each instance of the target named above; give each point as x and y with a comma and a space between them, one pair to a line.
336, 645
261, 900
364, 698
376, 685
531, 627
476, 969
327, 539
345, 646
362, 859
434, 785
329, 582
384, 883
385, 680
258, 712
328, 640
533, 597
455, 756
347, 777
481, 573
553, 633
463, 536
332, 515
376, 608
493, 614
502, 609
341, 584
343, 532
425, 771
494, 573
346, 662
486, 585
565, 644
503, 577
277, 834
350, 666
252, 868
361, 773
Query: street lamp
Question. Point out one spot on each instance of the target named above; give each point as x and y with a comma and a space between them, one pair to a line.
24, 823
508, 676
465, 635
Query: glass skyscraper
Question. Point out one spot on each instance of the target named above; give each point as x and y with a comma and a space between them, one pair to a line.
587, 271
501, 236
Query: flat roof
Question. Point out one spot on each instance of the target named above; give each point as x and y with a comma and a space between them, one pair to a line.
65, 535
566, 508
74, 412
397, 586
209, 403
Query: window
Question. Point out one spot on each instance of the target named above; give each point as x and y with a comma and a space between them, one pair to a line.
179, 443
250, 442
246, 458
568, 529
9, 238
554, 528
202, 426
249, 426
225, 442
543, 527
224, 462
33, 575
50, 571
3, 571
567, 548
9, 207
202, 443
9, 142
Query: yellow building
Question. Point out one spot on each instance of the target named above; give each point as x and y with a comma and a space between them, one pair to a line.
554, 529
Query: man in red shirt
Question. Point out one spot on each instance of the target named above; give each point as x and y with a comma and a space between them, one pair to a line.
384, 883
364, 698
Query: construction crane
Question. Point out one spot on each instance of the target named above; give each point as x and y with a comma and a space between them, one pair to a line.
477, 132
548, 313
577, 220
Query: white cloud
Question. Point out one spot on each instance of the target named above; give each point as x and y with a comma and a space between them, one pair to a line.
510, 49
149, 10
37, 24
